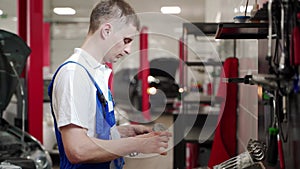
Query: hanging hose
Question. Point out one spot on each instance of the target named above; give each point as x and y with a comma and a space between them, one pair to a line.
272, 152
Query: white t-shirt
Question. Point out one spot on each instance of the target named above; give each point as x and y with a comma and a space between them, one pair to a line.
77, 92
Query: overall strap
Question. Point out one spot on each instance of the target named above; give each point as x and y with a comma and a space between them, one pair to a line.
50, 89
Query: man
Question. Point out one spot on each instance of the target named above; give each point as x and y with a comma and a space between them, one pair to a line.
82, 105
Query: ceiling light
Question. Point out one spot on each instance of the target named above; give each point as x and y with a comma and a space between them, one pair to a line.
170, 9
64, 11
152, 90
180, 90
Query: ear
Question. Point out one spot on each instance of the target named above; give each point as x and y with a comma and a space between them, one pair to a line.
106, 30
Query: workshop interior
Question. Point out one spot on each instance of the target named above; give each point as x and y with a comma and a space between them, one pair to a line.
222, 76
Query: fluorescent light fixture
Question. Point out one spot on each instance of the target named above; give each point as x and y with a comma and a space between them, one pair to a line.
64, 11
242, 9
1, 12
170, 9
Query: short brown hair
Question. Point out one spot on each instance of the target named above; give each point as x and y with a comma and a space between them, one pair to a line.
112, 9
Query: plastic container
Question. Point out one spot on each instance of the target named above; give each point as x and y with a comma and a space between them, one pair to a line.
241, 19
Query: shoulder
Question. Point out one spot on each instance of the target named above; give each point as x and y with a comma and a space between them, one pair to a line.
72, 77
71, 71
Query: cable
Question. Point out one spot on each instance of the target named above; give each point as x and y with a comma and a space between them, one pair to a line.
247, 2
23, 100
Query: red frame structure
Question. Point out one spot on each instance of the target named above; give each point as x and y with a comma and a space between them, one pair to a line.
144, 72
183, 57
30, 28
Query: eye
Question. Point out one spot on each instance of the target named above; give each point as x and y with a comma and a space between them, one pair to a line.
127, 40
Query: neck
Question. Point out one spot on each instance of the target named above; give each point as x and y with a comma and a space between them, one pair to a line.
93, 47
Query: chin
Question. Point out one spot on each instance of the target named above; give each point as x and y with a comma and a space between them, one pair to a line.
115, 60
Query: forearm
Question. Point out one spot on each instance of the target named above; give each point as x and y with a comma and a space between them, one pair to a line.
93, 150
117, 148
80, 148
155, 142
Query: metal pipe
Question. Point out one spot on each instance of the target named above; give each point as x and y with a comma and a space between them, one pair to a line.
270, 29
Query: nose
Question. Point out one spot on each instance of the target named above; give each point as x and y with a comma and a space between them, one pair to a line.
127, 49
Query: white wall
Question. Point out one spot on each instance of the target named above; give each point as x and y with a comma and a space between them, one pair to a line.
9, 24
64, 38
224, 10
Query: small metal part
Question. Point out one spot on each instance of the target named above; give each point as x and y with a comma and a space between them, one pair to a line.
159, 127
133, 154
256, 152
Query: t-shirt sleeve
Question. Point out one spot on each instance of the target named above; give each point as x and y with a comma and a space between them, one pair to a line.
74, 97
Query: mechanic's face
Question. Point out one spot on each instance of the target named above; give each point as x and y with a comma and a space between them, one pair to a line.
120, 45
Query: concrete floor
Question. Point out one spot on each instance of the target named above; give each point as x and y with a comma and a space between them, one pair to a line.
144, 161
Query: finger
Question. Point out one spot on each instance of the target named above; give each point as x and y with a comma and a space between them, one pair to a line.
147, 129
157, 133
147, 135
164, 145
164, 139
140, 129
163, 151
165, 133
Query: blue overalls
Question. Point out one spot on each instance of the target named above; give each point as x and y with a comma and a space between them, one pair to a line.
104, 121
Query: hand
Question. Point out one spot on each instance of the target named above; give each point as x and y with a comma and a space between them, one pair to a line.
155, 142
133, 130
